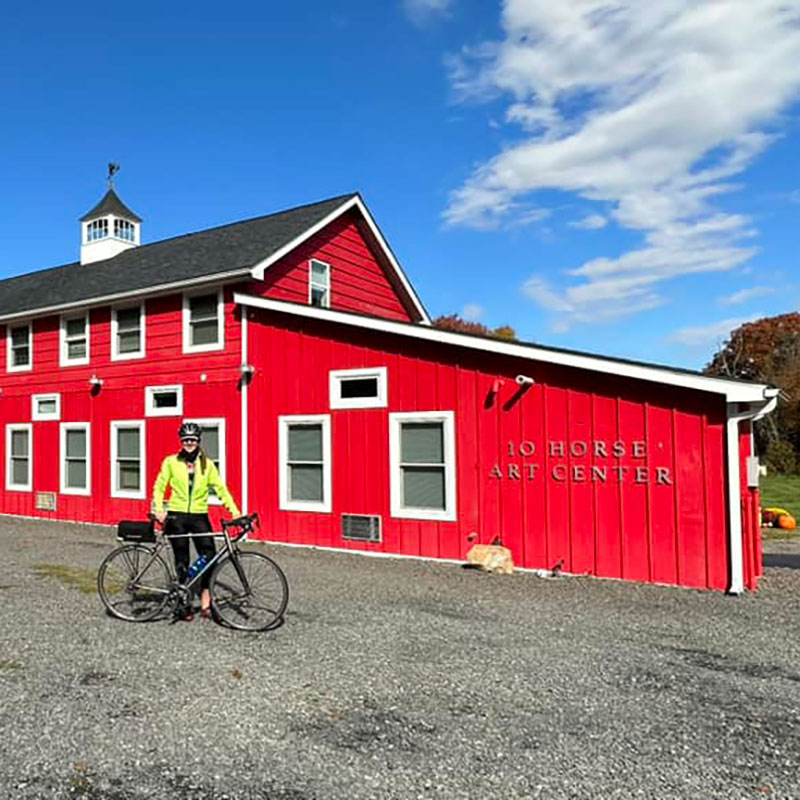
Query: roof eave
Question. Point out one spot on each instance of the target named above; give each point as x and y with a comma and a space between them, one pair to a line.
733, 391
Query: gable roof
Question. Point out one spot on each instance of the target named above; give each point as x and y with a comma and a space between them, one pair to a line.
225, 252
110, 204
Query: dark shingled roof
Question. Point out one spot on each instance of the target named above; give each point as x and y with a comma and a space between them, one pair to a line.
111, 204
239, 245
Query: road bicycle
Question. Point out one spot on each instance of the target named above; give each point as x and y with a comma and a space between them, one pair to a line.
249, 591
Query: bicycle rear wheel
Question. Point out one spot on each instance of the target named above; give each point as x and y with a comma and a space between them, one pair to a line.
134, 583
255, 603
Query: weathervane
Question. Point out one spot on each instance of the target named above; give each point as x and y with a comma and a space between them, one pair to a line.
113, 169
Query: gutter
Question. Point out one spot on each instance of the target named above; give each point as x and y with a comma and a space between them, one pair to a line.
738, 413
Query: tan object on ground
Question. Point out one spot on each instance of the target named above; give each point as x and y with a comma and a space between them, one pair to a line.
491, 558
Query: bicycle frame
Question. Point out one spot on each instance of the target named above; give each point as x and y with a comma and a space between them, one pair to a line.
231, 549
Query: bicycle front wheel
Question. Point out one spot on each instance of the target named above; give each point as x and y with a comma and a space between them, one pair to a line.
134, 583
250, 595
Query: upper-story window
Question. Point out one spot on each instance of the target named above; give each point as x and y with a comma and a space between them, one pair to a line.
19, 350
319, 284
203, 322
127, 333
97, 229
75, 339
124, 230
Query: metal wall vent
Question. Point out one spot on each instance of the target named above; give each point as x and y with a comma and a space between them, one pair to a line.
361, 527
45, 501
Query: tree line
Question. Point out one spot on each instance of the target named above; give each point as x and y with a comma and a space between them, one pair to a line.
768, 351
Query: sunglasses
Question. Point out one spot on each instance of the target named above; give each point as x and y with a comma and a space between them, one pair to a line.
190, 441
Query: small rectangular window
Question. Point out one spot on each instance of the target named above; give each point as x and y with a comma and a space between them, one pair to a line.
164, 401
127, 333
203, 322
422, 454
19, 464
127, 459
75, 340
45, 407
319, 284
358, 388
305, 463
19, 351
75, 458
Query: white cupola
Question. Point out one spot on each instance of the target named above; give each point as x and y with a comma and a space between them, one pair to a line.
109, 228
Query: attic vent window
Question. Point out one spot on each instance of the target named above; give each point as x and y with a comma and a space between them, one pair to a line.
319, 284
358, 388
97, 229
124, 230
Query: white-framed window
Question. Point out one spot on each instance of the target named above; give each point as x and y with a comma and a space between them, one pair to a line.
358, 388
76, 458
422, 465
97, 229
19, 457
319, 283
46, 407
19, 347
127, 332
203, 322
213, 443
304, 452
74, 339
128, 465
163, 401
125, 230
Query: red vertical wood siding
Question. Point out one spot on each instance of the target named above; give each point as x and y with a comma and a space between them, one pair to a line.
121, 397
360, 283
561, 471
562, 500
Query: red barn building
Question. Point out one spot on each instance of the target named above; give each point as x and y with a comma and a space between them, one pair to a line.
334, 408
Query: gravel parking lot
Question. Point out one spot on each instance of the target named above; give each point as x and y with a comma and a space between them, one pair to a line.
398, 679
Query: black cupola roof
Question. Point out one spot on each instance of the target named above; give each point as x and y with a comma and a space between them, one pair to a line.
111, 204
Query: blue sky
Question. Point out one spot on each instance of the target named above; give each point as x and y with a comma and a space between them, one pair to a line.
615, 177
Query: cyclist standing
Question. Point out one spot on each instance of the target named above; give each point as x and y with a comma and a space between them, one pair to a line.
189, 474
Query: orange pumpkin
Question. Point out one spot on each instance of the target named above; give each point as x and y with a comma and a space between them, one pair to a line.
786, 522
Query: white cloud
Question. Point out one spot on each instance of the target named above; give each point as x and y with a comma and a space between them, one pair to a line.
708, 335
650, 108
472, 312
421, 12
743, 295
591, 222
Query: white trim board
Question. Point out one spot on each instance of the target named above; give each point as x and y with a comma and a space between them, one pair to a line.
734, 391
354, 202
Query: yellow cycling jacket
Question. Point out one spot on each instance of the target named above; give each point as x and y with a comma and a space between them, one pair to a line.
175, 475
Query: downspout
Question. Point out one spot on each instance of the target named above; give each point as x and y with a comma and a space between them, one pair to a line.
244, 416
737, 413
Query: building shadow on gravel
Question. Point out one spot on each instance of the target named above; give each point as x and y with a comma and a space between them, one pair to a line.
790, 560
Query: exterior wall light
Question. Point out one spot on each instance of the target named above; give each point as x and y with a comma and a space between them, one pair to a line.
95, 381
524, 380
247, 369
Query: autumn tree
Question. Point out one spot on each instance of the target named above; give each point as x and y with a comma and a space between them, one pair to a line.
768, 351
454, 323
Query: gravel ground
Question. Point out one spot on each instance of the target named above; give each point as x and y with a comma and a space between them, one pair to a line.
399, 679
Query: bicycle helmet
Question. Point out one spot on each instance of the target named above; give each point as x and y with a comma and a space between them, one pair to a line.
190, 429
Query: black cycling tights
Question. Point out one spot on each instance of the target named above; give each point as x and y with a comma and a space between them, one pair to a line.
190, 523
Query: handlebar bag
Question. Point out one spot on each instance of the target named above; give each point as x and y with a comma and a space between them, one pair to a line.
132, 531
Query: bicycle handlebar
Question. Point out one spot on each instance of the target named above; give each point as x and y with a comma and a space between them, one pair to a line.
246, 523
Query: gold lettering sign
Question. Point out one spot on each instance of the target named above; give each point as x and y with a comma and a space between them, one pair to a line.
562, 471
